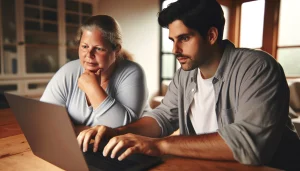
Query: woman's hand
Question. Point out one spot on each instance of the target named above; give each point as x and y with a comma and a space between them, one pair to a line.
89, 81
98, 132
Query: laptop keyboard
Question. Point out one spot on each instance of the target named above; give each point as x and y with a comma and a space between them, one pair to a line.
135, 162
106, 163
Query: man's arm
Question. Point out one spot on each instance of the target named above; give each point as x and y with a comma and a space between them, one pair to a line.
145, 126
209, 146
159, 122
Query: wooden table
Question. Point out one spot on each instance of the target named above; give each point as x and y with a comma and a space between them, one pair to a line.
15, 154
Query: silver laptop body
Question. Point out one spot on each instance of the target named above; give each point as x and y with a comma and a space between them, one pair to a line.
50, 134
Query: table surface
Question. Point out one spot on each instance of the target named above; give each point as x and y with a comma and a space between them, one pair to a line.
15, 154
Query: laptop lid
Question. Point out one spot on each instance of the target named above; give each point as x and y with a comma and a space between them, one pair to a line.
49, 132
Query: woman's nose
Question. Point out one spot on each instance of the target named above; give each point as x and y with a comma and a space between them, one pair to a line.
90, 53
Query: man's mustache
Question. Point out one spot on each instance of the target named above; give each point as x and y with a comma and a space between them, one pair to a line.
180, 55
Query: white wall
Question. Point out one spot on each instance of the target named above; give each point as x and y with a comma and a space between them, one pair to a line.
138, 20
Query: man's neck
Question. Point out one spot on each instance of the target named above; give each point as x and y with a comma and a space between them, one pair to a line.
209, 69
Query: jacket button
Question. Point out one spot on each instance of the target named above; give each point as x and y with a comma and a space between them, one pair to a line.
214, 81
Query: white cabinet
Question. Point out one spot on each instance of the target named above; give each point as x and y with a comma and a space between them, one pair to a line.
36, 38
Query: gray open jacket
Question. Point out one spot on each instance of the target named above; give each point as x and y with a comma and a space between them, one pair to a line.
252, 99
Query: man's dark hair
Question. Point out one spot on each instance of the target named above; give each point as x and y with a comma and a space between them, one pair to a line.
199, 15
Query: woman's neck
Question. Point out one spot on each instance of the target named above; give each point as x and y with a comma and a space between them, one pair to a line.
107, 74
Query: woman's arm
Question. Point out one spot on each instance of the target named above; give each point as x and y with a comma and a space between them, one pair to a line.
56, 91
126, 98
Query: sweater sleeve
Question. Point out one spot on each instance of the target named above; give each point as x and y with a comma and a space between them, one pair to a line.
166, 114
127, 100
56, 90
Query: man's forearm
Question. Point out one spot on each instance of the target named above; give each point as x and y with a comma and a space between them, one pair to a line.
208, 146
145, 126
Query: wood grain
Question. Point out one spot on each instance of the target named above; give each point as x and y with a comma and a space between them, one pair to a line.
15, 154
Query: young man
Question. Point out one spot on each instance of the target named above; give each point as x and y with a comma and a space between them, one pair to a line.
229, 103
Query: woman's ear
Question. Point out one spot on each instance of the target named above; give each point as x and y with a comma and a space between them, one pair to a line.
212, 35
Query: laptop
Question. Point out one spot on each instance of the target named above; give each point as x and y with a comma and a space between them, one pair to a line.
50, 134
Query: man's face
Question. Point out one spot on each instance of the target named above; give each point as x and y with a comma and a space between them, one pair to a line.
189, 47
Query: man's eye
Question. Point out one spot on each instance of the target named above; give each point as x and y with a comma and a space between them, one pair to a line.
185, 38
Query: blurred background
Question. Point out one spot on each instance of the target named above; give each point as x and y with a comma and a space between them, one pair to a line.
37, 37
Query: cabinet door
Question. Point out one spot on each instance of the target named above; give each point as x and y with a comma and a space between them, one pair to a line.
41, 36
8, 47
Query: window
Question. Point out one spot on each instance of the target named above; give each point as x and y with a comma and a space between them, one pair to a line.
288, 45
251, 31
168, 61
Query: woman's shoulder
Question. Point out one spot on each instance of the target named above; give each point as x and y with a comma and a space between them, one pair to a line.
125, 65
70, 70
128, 70
71, 67
72, 64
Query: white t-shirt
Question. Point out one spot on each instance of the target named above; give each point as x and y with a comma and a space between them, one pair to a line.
202, 110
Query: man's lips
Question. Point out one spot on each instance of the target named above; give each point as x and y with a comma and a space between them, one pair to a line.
182, 59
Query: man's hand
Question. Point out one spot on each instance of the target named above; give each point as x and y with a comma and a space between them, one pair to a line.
134, 144
98, 132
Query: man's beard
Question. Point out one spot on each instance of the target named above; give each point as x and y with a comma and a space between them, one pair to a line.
189, 63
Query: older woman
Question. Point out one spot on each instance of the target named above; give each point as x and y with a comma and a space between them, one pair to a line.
102, 87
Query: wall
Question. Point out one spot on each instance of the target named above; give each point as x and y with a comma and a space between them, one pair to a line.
138, 20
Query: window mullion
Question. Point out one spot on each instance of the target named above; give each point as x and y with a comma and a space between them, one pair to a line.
270, 30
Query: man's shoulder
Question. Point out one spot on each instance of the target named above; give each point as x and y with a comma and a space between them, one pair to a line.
251, 57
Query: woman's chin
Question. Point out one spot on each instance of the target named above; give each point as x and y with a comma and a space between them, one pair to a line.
92, 69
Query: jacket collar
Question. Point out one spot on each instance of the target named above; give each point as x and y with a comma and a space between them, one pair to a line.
223, 69
224, 65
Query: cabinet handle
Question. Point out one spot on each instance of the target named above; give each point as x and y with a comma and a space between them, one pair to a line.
21, 43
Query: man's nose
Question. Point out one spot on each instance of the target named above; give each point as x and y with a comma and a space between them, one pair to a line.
176, 48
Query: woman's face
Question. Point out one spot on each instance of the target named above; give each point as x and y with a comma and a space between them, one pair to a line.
95, 52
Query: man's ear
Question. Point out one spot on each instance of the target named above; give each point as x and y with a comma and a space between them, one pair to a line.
118, 48
212, 35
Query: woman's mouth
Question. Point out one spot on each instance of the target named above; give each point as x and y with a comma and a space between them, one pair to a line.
91, 64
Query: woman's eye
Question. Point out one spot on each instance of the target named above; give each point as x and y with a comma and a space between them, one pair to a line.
99, 49
84, 46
